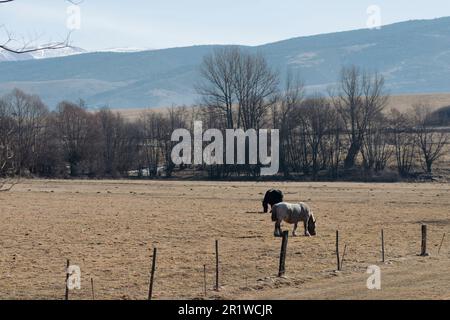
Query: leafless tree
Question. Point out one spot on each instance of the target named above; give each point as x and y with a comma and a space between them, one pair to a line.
113, 136
28, 114
238, 90
6, 137
361, 98
152, 128
376, 150
74, 125
256, 87
431, 142
316, 121
217, 87
404, 141
283, 117
238, 85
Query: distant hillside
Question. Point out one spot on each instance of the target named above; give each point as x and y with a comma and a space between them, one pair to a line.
440, 117
414, 57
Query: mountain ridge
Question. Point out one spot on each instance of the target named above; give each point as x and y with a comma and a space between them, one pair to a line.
414, 57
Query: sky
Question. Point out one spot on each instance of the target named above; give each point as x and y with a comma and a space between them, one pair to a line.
151, 24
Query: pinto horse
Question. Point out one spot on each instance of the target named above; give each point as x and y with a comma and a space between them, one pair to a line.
272, 197
293, 214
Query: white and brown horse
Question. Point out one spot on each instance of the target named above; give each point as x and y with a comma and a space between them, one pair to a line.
293, 214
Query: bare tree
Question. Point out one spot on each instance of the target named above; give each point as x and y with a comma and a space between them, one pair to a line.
283, 115
152, 131
316, 122
404, 141
6, 137
28, 115
217, 87
74, 125
431, 142
238, 85
112, 137
175, 119
238, 89
256, 87
360, 100
375, 149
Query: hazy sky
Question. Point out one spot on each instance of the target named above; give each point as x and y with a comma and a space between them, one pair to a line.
170, 23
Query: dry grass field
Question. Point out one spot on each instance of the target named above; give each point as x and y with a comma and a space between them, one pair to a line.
108, 228
399, 102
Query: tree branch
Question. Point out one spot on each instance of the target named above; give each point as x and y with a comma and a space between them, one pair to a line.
26, 48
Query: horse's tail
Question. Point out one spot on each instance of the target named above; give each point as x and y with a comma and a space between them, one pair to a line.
266, 196
274, 214
265, 201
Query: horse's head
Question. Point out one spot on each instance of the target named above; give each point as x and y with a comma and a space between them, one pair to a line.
312, 225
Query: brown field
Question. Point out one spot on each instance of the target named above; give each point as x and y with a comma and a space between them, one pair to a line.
108, 228
399, 102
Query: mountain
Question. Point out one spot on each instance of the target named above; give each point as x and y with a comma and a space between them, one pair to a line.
40, 54
414, 57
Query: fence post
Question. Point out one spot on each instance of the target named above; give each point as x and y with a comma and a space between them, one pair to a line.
284, 241
204, 278
424, 241
66, 296
343, 257
382, 245
337, 251
152, 275
442, 242
92, 289
217, 265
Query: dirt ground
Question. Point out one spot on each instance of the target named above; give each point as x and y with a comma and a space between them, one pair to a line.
108, 229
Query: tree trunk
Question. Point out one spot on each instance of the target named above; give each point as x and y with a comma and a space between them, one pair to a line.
350, 159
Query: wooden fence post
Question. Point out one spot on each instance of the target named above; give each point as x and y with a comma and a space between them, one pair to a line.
66, 296
343, 257
337, 251
382, 245
424, 241
442, 242
217, 265
284, 242
204, 278
92, 289
152, 275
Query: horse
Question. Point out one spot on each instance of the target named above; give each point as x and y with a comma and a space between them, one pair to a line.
293, 214
272, 197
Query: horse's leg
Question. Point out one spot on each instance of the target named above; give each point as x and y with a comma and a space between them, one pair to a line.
305, 225
294, 232
277, 232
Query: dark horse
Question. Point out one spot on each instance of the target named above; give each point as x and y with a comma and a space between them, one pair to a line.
272, 197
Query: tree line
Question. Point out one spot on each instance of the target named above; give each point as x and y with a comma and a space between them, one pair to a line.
333, 136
